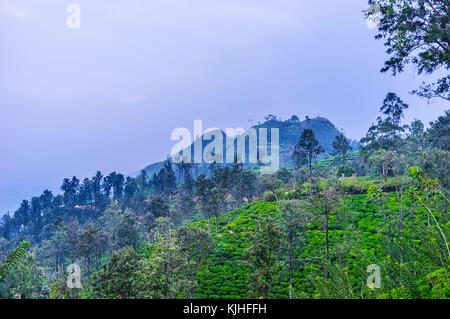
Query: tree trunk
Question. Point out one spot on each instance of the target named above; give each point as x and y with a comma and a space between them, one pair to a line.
291, 266
310, 177
326, 244
400, 212
189, 280
428, 208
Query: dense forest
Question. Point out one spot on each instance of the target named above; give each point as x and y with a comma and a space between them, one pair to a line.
337, 213
305, 232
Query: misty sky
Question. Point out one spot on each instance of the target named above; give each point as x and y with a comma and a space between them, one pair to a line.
107, 96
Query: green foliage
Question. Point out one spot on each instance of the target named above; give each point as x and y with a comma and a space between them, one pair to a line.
345, 171
269, 197
117, 277
341, 147
261, 256
307, 149
26, 281
13, 259
152, 238
428, 49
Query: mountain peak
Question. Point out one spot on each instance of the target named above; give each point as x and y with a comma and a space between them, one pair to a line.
289, 134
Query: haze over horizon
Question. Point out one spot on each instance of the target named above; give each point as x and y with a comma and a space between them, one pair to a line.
107, 96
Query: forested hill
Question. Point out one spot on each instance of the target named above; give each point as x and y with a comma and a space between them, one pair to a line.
305, 232
289, 132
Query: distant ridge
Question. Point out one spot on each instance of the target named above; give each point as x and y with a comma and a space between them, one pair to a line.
290, 131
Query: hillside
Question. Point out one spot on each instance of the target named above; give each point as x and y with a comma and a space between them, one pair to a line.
356, 240
289, 131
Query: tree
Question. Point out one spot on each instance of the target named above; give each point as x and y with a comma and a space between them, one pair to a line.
23, 215
436, 163
293, 221
7, 225
416, 32
13, 259
71, 233
127, 232
170, 180
163, 274
116, 181
285, 175
306, 151
162, 230
247, 185
142, 179
325, 202
187, 195
70, 189
27, 281
210, 198
427, 191
439, 132
158, 207
272, 184
196, 245
109, 223
116, 278
439, 89
391, 161
131, 188
261, 256
341, 147
100, 200
294, 118
90, 246
416, 136
165, 181
270, 118
85, 195
386, 134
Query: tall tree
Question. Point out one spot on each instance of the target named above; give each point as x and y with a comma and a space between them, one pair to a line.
341, 147
187, 195
196, 245
210, 198
90, 246
117, 278
416, 32
109, 223
262, 257
438, 134
294, 219
324, 202
127, 230
70, 189
391, 161
387, 133
306, 151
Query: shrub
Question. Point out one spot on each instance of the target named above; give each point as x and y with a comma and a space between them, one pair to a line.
269, 197
346, 170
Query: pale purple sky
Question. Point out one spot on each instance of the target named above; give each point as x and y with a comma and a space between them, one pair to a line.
107, 96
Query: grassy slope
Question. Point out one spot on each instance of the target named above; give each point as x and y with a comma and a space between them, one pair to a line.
226, 278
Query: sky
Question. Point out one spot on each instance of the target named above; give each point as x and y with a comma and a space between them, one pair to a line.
108, 95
